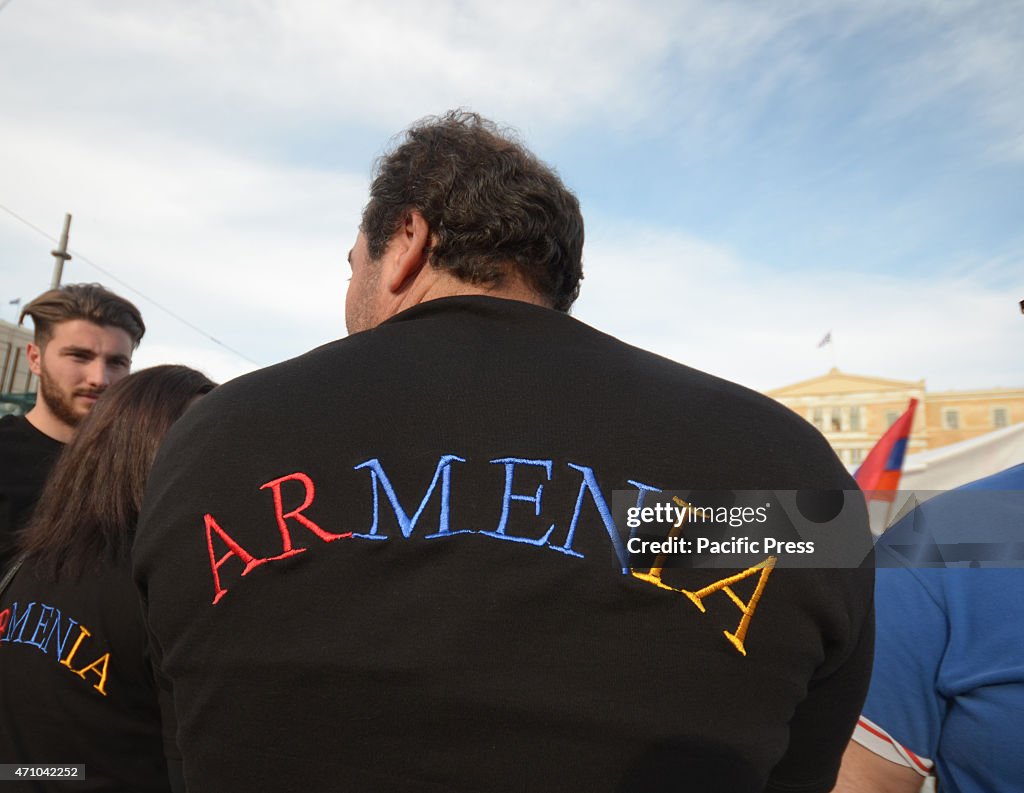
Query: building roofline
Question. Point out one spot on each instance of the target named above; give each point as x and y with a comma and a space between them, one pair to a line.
834, 372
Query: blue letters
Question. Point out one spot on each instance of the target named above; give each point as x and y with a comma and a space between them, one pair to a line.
407, 524
510, 463
590, 483
61, 640
48, 626
16, 623
45, 612
641, 496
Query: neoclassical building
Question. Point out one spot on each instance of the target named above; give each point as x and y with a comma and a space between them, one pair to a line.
853, 411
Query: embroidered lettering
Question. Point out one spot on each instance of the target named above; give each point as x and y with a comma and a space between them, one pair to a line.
725, 585
234, 549
48, 626
510, 464
296, 514
414, 522
442, 474
82, 633
589, 484
99, 666
18, 623
39, 634
55, 631
641, 497
653, 576
747, 608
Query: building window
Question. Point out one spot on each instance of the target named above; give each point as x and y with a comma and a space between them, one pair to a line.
836, 423
951, 419
1000, 417
890, 418
856, 456
855, 420
817, 419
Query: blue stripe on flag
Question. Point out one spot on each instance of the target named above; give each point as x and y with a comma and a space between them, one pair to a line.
895, 461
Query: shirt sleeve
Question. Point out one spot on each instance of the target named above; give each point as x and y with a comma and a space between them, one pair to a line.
903, 714
822, 723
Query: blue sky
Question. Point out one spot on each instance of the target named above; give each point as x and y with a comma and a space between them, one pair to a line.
753, 174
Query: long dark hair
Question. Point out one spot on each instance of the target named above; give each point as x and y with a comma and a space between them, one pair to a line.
90, 505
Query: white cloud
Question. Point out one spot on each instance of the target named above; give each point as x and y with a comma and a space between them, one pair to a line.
172, 131
252, 252
700, 304
967, 52
710, 67
538, 63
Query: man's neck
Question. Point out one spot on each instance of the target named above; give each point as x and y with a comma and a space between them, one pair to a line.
443, 285
43, 420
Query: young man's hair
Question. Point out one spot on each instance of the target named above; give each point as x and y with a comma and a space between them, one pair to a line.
490, 204
90, 505
91, 302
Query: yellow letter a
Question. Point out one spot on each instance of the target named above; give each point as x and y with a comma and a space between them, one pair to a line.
747, 608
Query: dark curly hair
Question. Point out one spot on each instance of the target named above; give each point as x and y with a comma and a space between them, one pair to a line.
490, 204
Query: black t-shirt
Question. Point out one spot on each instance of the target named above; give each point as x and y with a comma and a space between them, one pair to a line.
26, 458
390, 564
76, 683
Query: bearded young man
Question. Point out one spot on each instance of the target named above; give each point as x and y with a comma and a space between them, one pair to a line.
391, 564
84, 339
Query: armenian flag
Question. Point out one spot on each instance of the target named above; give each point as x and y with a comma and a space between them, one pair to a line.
879, 474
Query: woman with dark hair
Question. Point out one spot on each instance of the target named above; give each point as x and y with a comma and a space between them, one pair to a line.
76, 682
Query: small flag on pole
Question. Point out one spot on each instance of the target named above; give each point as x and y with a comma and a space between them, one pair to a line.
879, 474
826, 339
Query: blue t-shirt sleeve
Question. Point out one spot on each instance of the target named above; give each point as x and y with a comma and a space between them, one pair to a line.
911, 635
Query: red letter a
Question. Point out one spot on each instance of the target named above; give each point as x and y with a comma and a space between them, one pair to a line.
234, 549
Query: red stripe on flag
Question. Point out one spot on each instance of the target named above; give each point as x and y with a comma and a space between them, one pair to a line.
873, 474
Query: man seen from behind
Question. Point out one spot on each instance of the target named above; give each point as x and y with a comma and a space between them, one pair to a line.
391, 563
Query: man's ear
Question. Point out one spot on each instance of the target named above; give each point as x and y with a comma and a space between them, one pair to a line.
411, 251
34, 353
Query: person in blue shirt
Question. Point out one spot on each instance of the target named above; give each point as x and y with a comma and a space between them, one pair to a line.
947, 690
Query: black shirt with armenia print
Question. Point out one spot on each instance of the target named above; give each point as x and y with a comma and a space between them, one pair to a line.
389, 564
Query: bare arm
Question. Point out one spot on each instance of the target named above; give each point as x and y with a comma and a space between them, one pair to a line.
863, 771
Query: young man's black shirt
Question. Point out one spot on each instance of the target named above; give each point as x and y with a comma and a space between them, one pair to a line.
26, 458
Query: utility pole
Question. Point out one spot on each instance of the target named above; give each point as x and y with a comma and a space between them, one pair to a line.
61, 255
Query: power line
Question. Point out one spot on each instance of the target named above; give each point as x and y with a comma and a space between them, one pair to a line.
129, 287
